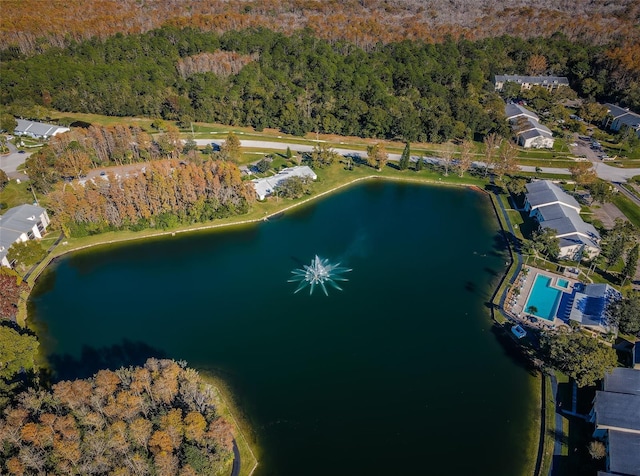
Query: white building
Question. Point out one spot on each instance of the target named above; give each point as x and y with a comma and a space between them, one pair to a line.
555, 209
19, 224
531, 134
265, 186
527, 82
38, 130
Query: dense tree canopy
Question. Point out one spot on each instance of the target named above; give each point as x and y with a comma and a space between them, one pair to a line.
165, 194
298, 83
159, 419
580, 356
627, 313
17, 355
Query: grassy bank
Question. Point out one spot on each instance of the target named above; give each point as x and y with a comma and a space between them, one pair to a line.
245, 438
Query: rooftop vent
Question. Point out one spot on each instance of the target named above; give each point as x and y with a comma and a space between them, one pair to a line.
32, 217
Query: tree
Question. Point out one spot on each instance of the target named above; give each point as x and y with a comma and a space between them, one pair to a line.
506, 163
8, 123
230, 148
4, 180
116, 423
189, 145
630, 264
419, 164
26, 253
464, 162
11, 286
597, 450
377, 156
322, 155
41, 171
601, 191
405, 158
614, 248
583, 174
578, 355
17, 353
593, 112
74, 163
288, 153
545, 241
446, 157
491, 142
263, 165
626, 313
293, 187
536, 65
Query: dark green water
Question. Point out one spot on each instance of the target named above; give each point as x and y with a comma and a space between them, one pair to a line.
399, 374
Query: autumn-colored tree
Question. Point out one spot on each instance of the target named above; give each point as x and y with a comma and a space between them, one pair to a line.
506, 163
491, 142
465, 160
11, 286
80, 429
230, 148
377, 156
583, 174
536, 65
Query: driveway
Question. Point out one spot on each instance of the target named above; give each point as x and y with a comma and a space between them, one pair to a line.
11, 161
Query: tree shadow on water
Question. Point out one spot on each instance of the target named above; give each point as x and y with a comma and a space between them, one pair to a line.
68, 367
519, 352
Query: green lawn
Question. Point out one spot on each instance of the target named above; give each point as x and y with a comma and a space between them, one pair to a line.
550, 428
15, 194
628, 208
245, 438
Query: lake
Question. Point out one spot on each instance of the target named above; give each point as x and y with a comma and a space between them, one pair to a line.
400, 373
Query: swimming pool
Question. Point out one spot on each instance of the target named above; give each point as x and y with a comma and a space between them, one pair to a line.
562, 283
543, 299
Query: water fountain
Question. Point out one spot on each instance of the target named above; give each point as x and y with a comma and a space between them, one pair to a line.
318, 273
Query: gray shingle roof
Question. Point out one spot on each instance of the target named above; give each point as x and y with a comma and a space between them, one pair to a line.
545, 192
541, 80
15, 222
39, 129
617, 410
531, 133
624, 453
617, 111
514, 110
623, 381
566, 220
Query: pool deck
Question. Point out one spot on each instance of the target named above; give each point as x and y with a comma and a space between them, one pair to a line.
516, 300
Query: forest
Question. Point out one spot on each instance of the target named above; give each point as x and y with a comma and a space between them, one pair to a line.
299, 83
158, 419
33, 25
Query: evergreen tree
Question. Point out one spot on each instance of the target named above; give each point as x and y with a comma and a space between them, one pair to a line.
631, 263
405, 157
419, 164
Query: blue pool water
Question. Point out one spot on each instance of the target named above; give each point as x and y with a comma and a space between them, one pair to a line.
563, 283
544, 298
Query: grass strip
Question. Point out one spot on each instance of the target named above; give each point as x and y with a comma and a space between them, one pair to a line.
628, 208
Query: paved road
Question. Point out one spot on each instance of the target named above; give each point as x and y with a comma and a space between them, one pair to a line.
604, 171
628, 194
